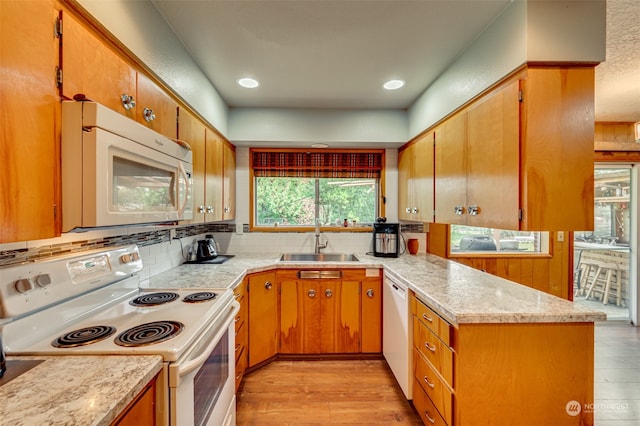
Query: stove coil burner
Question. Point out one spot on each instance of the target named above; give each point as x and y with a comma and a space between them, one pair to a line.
149, 333
153, 299
83, 336
202, 296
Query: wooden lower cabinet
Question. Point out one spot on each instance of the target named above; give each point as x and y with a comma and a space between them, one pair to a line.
335, 315
263, 317
501, 373
142, 410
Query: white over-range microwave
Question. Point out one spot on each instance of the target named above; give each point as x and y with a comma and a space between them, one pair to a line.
118, 172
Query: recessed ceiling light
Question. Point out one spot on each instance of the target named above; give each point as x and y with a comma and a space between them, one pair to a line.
319, 145
393, 84
249, 83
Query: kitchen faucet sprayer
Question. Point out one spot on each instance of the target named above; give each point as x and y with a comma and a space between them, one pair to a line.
317, 244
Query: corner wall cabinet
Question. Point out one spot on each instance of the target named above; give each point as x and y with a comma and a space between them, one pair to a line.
491, 372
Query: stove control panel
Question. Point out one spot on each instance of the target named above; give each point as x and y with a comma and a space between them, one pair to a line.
30, 286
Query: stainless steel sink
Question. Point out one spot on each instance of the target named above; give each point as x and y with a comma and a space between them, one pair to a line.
319, 257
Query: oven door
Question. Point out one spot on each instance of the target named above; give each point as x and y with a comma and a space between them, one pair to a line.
202, 383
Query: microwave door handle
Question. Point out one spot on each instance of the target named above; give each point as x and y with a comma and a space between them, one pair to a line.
187, 187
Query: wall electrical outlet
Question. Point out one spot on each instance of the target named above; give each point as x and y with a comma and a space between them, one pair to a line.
560, 235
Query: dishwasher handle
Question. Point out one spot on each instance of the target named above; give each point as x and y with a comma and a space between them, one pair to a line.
396, 288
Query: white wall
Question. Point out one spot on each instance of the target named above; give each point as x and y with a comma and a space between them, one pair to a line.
278, 127
139, 26
526, 31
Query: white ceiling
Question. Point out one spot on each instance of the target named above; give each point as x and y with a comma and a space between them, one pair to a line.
337, 53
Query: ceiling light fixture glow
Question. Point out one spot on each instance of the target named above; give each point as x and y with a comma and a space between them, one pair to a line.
249, 83
393, 84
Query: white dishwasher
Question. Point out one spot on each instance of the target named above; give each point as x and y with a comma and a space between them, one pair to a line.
397, 333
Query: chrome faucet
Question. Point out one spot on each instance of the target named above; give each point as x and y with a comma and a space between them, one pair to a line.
319, 246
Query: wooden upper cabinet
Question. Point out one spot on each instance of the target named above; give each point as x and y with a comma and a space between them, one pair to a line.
215, 176
192, 131
493, 160
91, 68
155, 108
30, 111
229, 184
521, 156
451, 170
557, 131
415, 178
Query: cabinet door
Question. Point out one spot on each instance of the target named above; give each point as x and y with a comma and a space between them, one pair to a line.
91, 68
493, 168
263, 317
156, 109
229, 186
451, 170
405, 169
557, 149
422, 188
371, 318
214, 176
192, 131
340, 316
29, 107
300, 327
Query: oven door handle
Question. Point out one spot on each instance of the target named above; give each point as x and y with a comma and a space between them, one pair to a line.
200, 358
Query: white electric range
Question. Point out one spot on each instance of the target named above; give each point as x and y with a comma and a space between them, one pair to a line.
90, 303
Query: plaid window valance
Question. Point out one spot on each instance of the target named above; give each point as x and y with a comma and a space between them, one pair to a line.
326, 164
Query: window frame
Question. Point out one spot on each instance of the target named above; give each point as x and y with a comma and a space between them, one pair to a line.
380, 204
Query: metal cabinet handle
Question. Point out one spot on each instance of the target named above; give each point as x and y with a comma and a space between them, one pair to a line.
429, 346
459, 210
148, 115
311, 293
427, 318
328, 292
415, 210
201, 209
407, 210
474, 210
370, 293
227, 209
431, 419
209, 209
128, 102
426, 380
268, 285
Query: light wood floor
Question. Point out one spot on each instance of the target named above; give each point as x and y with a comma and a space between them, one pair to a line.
323, 393
365, 392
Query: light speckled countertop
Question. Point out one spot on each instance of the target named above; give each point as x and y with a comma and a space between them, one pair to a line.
75, 390
459, 293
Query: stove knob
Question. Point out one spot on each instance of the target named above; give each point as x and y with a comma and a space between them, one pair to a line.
23, 285
43, 280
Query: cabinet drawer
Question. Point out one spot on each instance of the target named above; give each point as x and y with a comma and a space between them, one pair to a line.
433, 386
241, 340
434, 350
433, 321
241, 366
239, 322
425, 408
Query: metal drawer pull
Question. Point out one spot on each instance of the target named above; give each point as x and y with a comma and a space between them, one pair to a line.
237, 318
370, 293
426, 380
237, 295
431, 419
312, 293
238, 346
429, 346
427, 318
268, 285
328, 292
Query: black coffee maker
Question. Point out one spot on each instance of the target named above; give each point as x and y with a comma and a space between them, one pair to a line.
386, 239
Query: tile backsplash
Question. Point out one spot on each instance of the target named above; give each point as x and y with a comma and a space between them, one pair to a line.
160, 252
